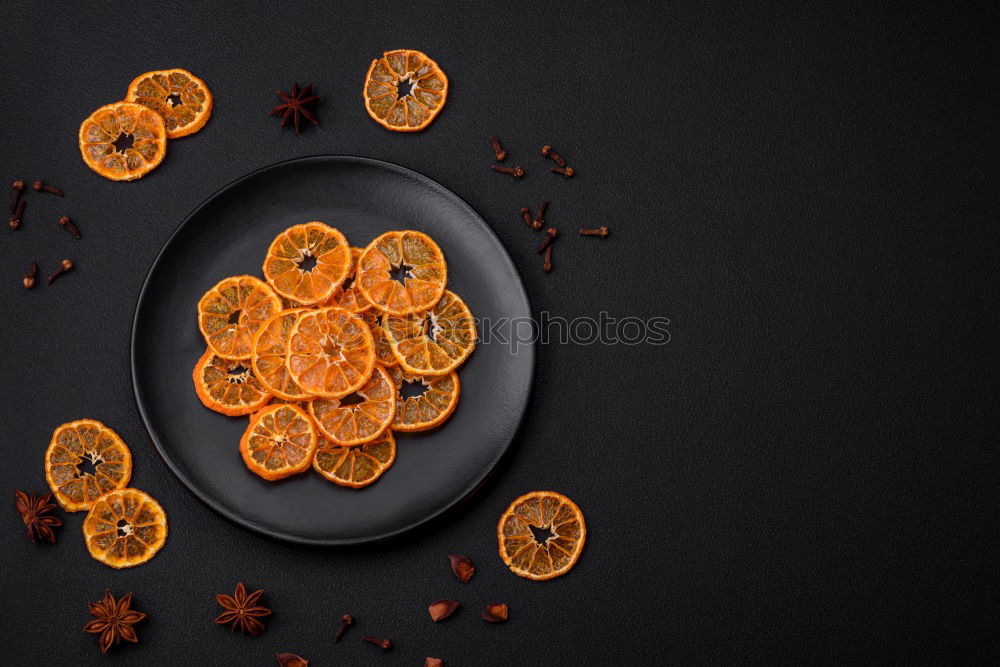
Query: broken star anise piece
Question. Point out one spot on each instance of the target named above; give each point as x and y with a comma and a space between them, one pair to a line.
114, 620
35, 512
294, 106
242, 610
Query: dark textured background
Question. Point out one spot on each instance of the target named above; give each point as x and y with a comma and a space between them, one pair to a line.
806, 473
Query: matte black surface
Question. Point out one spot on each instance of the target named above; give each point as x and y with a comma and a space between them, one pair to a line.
807, 473
229, 235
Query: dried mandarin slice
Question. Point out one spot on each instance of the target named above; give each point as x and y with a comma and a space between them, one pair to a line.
330, 352
347, 295
427, 408
232, 311
307, 262
383, 351
280, 441
419, 259
355, 467
123, 141
228, 386
434, 342
268, 353
181, 98
125, 528
541, 535
396, 71
355, 423
85, 460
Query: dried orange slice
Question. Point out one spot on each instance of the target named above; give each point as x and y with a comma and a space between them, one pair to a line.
125, 528
181, 98
347, 295
355, 467
418, 257
280, 441
387, 81
541, 535
123, 141
232, 311
270, 347
228, 386
85, 460
427, 409
434, 342
383, 351
330, 352
306, 262
353, 424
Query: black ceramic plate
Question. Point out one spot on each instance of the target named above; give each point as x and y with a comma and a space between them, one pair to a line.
228, 235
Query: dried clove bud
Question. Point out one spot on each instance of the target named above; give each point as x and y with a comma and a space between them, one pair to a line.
433, 662
64, 266
29, 279
498, 149
291, 660
550, 236
345, 621
516, 172
442, 609
383, 644
462, 567
495, 613
15, 220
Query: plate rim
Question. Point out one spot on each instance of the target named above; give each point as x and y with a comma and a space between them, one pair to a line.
254, 526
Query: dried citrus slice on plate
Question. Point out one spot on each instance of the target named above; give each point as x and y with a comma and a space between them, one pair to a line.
228, 386
181, 98
330, 352
280, 441
436, 341
270, 347
125, 528
347, 295
359, 422
85, 460
541, 535
306, 262
123, 141
417, 257
404, 90
428, 408
383, 351
232, 311
355, 467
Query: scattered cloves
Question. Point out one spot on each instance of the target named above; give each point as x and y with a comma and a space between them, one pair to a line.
462, 567
68, 225
565, 171
442, 609
526, 215
64, 266
291, 660
433, 662
600, 231
498, 149
15, 220
15, 194
42, 187
547, 266
383, 644
495, 613
29, 280
550, 153
516, 172
345, 621
550, 236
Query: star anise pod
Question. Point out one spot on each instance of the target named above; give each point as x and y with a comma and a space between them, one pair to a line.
35, 513
242, 610
114, 620
294, 106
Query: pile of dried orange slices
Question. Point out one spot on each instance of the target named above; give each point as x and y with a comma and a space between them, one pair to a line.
126, 140
325, 352
88, 467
